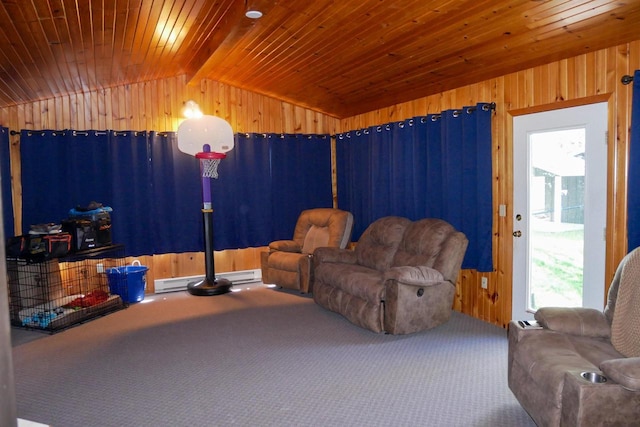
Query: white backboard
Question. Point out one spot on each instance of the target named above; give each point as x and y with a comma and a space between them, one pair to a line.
194, 133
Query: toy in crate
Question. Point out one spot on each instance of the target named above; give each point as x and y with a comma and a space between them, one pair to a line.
89, 226
44, 242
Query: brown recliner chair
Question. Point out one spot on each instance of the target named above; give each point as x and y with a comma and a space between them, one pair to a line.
581, 366
399, 279
288, 262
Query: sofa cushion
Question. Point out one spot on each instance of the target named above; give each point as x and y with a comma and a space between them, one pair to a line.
285, 245
425, 243
625, 372
414, 275
287, 261
574, 320
378, 244
595, 350
548, 356
356, 280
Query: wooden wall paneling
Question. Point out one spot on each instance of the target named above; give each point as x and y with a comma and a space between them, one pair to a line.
100, 117
16, 183
500, 293
581, 77
76, 111
80, 115
116, 115
136, 108
66, 109
499, 290
58, 110
149, 108
90, 105
569, 72
139, 113
622, 113
243, 109
174, 99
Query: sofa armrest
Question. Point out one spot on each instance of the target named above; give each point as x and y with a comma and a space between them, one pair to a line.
418, 276
285, 246
625, 372
332, 254
580, 321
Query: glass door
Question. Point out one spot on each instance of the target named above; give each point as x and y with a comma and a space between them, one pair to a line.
559, 209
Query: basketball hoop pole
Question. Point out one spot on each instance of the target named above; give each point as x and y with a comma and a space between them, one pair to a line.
209, 286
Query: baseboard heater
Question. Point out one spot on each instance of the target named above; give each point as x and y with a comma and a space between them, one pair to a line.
180, 283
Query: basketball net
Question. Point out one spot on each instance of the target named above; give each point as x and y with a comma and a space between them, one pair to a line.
209, 162
209, 168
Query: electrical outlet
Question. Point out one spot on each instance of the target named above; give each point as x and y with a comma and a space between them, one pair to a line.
484, 282
100, 268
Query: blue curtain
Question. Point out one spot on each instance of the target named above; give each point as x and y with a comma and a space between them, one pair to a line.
304, 163
133, 192
264, 184
155, 190
633, 177
436, 166
175, 197
62, 170
241, 195
5, 180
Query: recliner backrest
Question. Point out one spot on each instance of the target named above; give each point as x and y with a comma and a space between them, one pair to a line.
378, 244
323, 227
433, 243
625, 325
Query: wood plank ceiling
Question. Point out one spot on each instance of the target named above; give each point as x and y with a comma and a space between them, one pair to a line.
338, 57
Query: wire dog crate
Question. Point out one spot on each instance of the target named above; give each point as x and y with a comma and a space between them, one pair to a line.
54, 294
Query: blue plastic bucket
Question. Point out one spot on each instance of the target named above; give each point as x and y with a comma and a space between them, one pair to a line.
129, 281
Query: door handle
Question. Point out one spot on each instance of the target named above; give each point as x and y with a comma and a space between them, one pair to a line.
517, 233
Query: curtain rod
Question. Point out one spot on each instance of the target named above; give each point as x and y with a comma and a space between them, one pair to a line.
626, 79
456, 112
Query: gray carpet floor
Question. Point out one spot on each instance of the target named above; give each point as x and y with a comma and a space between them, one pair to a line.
260, 357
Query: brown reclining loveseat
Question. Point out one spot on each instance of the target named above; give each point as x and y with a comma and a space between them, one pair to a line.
399, 279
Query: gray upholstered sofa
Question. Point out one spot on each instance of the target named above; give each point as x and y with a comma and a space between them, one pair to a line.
399, 279
546, 365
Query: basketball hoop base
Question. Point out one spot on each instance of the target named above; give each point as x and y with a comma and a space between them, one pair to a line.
207, 288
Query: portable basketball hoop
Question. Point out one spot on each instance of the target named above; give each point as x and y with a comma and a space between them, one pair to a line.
207, 138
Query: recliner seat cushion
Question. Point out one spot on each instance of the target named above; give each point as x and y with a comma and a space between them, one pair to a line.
287, 261
547, 357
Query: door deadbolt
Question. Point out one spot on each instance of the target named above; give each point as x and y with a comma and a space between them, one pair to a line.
517, 233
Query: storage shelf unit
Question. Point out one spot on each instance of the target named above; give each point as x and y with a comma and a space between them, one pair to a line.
54, 294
